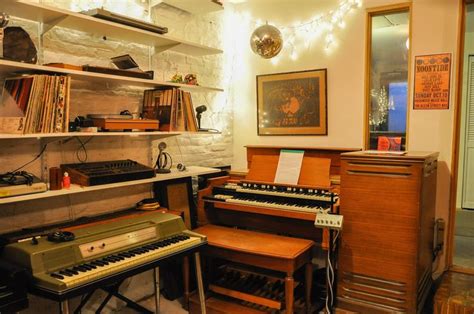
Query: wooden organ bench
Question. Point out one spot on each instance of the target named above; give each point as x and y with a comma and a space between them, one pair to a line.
268, 251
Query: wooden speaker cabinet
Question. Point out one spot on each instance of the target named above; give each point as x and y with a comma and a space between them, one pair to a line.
385, 258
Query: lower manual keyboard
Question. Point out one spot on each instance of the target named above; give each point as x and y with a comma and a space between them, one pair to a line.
114, 263
308, 208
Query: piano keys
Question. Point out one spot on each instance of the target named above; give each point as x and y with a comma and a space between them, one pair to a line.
101, 251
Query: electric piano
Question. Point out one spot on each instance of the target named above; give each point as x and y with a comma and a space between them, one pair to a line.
101, 253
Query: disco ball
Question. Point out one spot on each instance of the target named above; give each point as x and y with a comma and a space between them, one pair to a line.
266, 41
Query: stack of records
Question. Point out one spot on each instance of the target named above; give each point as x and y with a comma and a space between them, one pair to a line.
35, 104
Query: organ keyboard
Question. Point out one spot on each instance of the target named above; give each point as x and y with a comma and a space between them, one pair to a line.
101, 251
282, 190
275, 196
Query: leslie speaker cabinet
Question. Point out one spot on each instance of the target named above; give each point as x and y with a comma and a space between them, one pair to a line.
385, 259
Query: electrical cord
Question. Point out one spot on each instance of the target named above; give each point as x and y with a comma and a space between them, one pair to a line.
330, 275
82, 148
33, 160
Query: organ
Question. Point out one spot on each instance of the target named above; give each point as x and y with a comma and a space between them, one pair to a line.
231, 207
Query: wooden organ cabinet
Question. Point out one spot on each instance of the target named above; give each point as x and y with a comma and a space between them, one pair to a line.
385, 258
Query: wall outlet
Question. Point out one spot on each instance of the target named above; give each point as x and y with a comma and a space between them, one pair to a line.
331, 221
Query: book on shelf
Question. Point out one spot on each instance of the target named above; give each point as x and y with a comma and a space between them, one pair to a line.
35, 104
172, 107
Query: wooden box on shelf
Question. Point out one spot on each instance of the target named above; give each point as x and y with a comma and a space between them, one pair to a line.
126, 124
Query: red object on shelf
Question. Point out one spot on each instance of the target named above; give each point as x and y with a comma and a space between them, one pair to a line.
66, 181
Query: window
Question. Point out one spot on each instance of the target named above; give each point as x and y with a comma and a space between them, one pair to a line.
387, 90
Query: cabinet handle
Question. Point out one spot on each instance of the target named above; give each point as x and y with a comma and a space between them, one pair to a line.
363, 164
379, 173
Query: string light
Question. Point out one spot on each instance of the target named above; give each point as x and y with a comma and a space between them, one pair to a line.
302, 34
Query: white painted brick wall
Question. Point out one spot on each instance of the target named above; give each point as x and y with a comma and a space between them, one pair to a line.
73, 47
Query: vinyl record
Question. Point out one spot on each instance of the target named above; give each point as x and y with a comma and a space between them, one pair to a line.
18, 46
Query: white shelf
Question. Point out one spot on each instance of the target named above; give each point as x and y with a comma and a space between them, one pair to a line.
193, 6
9, 67
175, 174
157, 134
73, 20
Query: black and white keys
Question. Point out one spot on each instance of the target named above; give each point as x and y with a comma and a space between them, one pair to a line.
113, 263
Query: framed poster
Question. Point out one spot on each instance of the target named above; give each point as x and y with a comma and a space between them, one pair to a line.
293, 103
432, 81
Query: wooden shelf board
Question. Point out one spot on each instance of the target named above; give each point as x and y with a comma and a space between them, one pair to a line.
85, 134
73, 20
175, 174
8, 67
194, 6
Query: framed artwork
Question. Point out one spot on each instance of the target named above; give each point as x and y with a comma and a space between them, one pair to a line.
293, 103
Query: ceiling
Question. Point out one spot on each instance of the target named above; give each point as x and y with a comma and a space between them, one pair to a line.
388, 20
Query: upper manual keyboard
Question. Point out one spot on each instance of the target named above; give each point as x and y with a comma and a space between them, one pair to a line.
282, 191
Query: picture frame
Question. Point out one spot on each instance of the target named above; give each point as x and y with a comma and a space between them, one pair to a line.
292, 103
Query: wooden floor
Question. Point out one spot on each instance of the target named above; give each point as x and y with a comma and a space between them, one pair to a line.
455, 295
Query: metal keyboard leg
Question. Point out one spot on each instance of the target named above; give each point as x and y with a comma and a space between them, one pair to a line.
202, 298
156, 279
64, 307
104, 303
83, 302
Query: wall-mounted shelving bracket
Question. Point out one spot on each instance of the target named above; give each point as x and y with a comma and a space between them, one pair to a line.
49, 25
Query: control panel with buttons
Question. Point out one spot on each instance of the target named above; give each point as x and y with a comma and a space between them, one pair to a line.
331, 221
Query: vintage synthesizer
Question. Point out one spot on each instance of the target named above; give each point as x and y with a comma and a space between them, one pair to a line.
275, 196
101, 251
95, 173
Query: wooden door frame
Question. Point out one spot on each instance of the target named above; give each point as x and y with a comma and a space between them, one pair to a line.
370, 12
456, 140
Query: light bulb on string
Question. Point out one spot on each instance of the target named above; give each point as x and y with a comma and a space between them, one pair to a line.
275, 61
302, 34
294, 55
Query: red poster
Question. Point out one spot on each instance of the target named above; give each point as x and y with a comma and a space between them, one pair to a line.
432, 81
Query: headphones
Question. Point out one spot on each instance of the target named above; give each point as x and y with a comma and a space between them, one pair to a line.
181, 167
17, 178
61, 236
148, 204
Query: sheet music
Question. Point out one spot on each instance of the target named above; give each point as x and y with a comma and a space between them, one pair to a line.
289, 166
